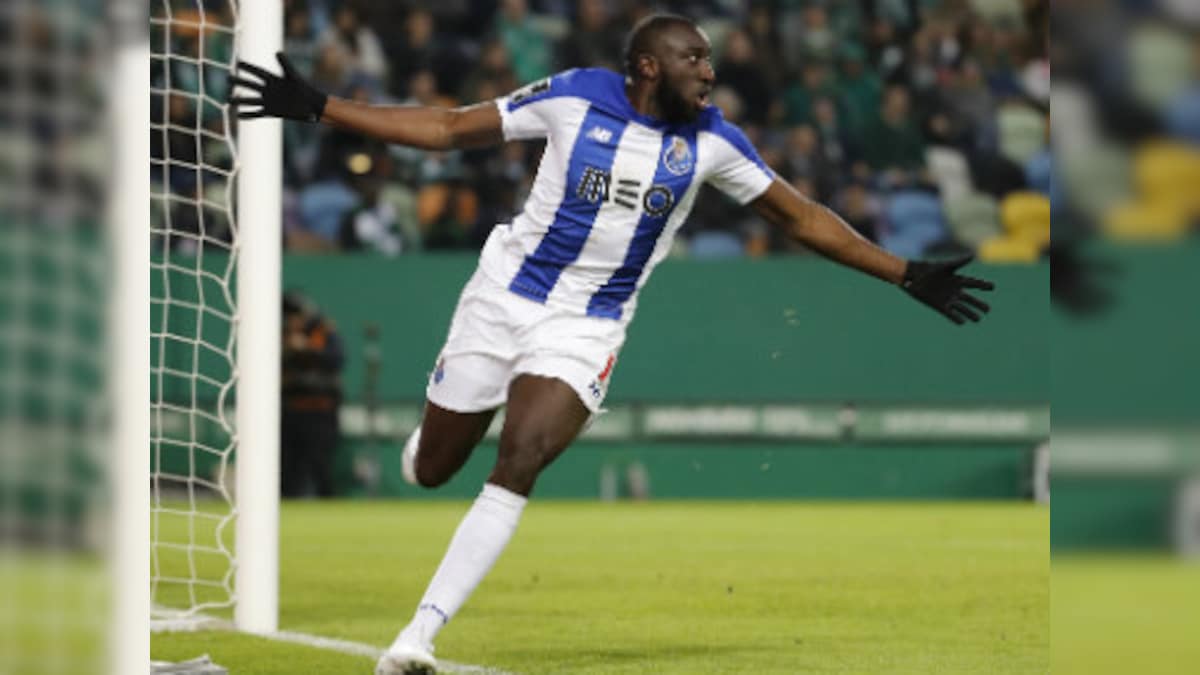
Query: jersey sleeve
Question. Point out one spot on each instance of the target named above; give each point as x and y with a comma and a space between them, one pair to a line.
528, 112
737, 170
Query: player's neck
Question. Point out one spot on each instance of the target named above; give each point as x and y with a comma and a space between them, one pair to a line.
641, 97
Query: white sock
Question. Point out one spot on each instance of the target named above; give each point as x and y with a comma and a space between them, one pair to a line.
481, 536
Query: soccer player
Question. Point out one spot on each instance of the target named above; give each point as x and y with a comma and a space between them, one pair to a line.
538, 327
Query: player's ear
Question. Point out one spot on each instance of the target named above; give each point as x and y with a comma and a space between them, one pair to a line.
647, 67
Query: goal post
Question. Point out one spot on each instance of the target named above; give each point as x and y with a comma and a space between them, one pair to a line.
259, 217
129, 338
215, 307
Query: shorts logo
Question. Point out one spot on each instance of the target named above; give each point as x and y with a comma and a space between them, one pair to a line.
597, 385
608, 366
678, 156
439, 371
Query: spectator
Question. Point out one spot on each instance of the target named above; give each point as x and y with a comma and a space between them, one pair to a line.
818, 40
806, 78
312, 393
893, 145
372, 224
740, 71
837, 143
360, 48
413, 50
804, 159
299, 40
764, 35
815, 82
528, 47
968, 108
493, 76
591, 42
859, 89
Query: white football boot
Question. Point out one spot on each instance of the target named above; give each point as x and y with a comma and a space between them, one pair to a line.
405, 658
408, 457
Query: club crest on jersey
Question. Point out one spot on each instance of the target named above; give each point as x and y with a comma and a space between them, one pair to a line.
678, 156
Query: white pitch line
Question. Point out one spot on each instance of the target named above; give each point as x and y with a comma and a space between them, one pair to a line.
202, 622
360, 649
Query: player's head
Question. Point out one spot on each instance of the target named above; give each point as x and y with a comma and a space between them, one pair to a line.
670, 53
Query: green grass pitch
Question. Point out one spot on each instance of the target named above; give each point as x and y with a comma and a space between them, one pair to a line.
671, 587
1117, 613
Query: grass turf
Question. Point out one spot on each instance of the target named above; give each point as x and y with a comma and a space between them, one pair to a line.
1125, 613
672, 587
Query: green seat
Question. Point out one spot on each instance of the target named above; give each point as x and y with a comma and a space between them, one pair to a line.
1022, 132
973, 218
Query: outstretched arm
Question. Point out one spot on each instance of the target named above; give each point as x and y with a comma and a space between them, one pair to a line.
823, 231
936, 284
290, 96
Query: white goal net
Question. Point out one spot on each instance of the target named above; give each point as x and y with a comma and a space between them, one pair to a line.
54, 272
193, 308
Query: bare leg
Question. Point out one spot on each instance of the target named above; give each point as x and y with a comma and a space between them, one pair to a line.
447, 439
544, 416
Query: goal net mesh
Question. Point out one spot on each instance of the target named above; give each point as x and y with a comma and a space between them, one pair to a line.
53, 276
193, 310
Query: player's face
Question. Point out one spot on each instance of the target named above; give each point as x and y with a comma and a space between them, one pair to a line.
687, 74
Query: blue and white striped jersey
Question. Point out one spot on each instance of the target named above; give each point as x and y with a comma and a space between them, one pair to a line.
613, 188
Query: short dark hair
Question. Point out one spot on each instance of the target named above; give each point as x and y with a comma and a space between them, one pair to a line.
644, 35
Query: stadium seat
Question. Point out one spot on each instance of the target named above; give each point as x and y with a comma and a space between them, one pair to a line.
1145, 222
999, 11
715, 244
1160, 63
915, 222
1008, 250
1167, 173
1039, 171
1022, 131
324, 204
1183, 115
1096, 177
1026, 216
950, 171
973, 218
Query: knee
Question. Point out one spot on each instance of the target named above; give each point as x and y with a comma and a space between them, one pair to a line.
429, 477
433, 465
520, 460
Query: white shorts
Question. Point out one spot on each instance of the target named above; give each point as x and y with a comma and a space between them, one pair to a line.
496, 335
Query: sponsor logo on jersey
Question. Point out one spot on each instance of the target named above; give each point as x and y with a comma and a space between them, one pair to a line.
600, 134
531, 90
439, 371
678, 156
593, 185
658, 200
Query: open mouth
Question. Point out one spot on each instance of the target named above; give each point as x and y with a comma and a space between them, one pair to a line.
702, 100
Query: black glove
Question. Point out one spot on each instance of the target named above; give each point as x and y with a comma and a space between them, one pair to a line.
290, 97
938, 285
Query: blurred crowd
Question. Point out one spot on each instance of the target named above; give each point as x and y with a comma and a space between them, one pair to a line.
924, 123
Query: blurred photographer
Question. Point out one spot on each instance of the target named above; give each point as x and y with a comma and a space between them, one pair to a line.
312, 392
